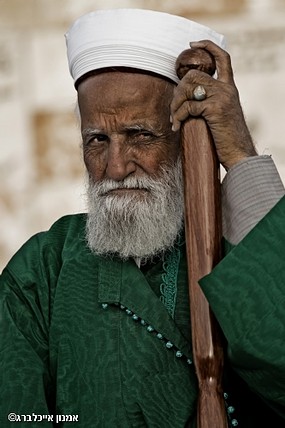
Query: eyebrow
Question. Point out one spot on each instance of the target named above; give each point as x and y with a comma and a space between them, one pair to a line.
89, 131
140, 127
128, 128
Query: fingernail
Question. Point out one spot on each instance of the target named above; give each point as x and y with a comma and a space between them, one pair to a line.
170, 119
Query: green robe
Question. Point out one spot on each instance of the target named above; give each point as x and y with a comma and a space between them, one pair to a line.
89, 337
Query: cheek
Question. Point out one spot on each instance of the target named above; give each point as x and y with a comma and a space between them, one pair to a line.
169, 152
174, 150
95, 164
153, 159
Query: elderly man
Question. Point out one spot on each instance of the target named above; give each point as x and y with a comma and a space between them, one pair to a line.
95, 328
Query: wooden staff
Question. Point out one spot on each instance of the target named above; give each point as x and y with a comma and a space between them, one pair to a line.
203, 241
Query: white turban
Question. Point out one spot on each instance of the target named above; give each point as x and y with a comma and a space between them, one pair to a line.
137, 38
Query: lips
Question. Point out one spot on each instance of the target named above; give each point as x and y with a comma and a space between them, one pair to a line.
125, 190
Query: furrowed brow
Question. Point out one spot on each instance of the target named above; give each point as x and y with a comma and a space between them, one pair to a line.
140, 127
89, 131
137, 127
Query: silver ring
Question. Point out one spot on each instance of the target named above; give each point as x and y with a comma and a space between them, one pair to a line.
199, 93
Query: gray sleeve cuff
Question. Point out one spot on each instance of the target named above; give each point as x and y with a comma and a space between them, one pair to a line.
249, 191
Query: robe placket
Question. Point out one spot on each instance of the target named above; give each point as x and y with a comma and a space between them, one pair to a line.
153, 352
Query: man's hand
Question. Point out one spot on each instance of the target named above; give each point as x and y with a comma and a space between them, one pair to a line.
221, 108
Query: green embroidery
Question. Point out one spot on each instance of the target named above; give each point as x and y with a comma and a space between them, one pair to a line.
168, 288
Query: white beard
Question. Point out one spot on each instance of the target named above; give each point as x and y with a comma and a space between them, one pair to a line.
140, 224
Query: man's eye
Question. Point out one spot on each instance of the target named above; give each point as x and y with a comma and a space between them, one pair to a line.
96, 139
146, 134
142, 136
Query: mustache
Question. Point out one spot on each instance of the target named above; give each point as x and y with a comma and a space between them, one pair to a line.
104, 187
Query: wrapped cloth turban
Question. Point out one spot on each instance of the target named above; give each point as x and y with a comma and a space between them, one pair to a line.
136, 38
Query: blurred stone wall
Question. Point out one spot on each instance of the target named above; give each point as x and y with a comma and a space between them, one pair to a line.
41, 170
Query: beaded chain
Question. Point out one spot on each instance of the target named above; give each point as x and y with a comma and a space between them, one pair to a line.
169, 345
230, 410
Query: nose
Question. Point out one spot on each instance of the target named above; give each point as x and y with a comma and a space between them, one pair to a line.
120, 161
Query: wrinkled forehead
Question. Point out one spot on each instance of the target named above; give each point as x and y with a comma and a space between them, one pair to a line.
113, 91
123, 74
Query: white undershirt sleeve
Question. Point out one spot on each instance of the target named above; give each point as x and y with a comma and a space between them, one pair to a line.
249, 191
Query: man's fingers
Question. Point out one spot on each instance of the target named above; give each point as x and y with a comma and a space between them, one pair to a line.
185, 89
222, 59
220, 93
186, 110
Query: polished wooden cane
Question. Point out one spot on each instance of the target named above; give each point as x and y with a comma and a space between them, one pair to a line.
203, 242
